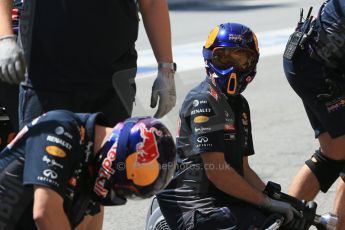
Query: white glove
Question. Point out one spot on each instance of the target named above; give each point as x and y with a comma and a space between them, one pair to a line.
275, 206
12, 64
164, 87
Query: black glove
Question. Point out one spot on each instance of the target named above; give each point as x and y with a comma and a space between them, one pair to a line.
280, 207
300, 222
334, 89
297, 224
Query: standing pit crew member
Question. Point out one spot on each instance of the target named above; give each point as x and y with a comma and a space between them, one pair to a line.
214, 186
317, 75
81, 56
12, 63
63, 165
9, 94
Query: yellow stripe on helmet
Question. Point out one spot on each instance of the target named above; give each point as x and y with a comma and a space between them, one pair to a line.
211, 37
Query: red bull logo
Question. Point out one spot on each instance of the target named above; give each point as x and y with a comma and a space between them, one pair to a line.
148, 149
105, 172
142, 166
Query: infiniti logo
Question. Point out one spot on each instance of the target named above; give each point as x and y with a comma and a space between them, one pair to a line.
50, 173
202, 139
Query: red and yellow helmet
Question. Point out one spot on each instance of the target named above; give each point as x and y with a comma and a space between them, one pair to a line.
137, 160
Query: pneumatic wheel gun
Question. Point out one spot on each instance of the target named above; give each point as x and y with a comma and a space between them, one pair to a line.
327, 221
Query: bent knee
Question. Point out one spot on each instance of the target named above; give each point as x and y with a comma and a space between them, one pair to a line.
333, 148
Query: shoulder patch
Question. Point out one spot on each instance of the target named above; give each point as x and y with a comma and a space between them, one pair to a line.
55, 151
196, 102
201, 119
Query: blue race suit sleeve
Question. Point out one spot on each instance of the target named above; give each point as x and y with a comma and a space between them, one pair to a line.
51, 153
207, 125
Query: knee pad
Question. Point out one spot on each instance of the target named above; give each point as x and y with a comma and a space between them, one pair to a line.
325, 169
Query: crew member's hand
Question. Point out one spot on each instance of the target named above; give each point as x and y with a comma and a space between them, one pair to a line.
334, 89
12, 63
300, 222
275, 206
297, 224
164, 88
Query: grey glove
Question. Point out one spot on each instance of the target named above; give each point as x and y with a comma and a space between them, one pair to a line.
275, 206
164, 88
12, 64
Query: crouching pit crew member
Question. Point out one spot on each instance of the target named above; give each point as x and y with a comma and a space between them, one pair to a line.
63, 165
214, 186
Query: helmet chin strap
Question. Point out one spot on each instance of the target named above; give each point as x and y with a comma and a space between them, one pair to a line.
232, 84
231, 88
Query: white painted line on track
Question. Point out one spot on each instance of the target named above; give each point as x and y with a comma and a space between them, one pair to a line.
189, 56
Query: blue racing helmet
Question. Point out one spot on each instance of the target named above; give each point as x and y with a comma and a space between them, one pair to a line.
138, 160
231, 53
